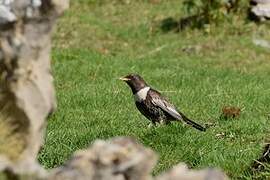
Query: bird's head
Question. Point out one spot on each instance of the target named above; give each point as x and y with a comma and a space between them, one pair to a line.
135, 82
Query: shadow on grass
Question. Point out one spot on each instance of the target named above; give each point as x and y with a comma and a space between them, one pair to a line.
197, 21
164, 130
172, 24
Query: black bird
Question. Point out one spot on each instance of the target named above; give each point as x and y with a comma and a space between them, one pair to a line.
153, 105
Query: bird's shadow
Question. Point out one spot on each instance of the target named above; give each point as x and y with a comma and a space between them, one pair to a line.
171, 24
168, 128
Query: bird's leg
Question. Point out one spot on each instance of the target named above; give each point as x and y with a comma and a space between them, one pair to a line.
162, 122
152, 124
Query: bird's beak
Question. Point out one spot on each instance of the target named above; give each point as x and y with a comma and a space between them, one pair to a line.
124, 79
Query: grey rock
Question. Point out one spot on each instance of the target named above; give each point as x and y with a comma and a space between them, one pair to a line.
6, 15
117, 159
181, 172
26, 83
261, 9
261, 1
261, 42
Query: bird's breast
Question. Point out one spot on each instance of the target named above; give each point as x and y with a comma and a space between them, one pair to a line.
141, 94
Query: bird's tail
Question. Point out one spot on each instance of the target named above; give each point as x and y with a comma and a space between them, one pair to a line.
192, 123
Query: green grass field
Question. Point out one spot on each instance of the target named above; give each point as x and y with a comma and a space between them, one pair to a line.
200, 72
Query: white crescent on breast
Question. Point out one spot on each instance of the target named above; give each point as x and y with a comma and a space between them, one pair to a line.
141, 94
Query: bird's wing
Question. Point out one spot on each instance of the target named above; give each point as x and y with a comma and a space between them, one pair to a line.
162, 103
166, 106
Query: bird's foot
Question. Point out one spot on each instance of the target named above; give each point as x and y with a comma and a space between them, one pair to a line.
150, 125
162, 122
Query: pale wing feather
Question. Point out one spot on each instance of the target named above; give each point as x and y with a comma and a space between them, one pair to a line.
165, 106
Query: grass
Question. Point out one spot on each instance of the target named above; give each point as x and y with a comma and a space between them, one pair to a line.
200, 72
